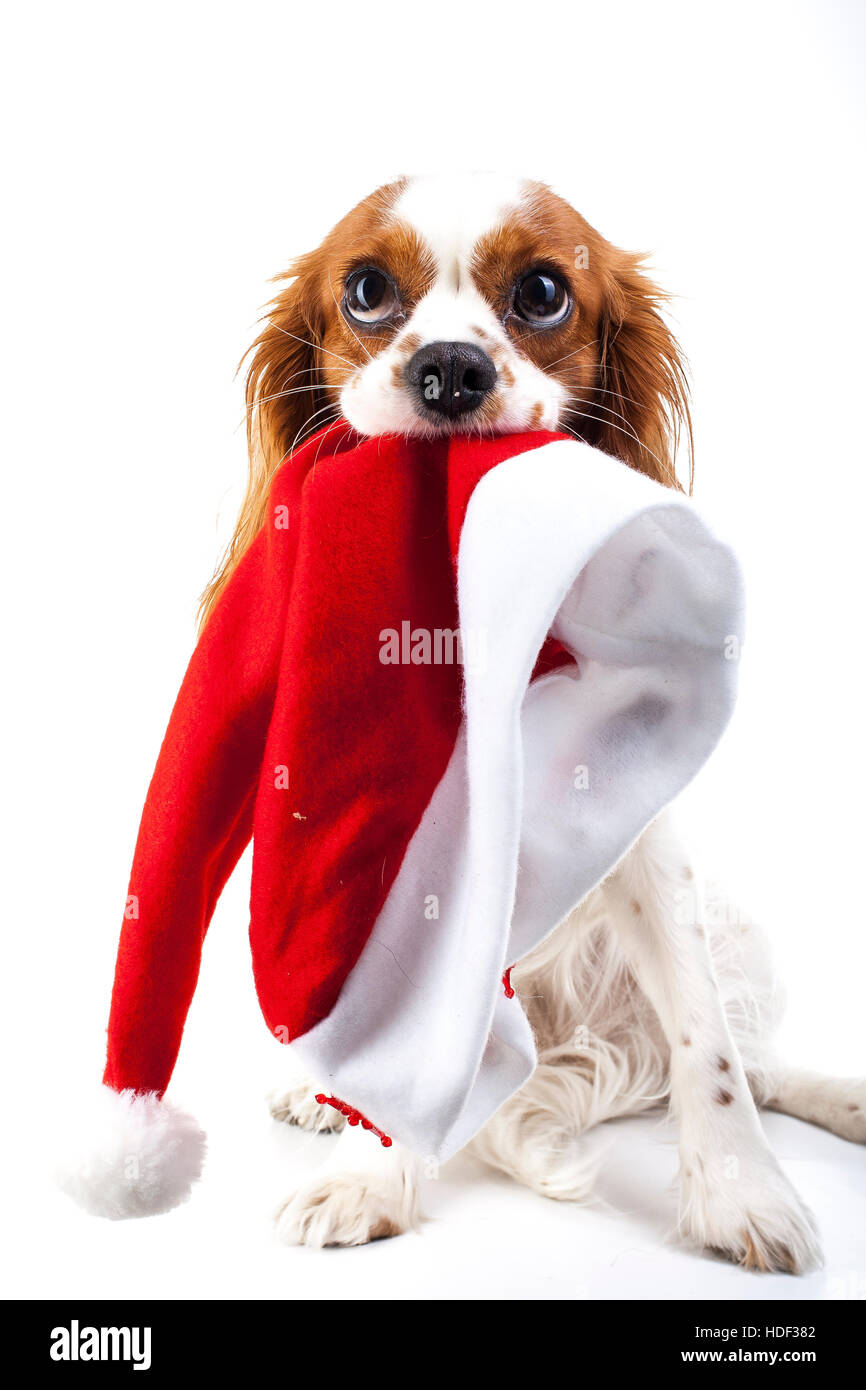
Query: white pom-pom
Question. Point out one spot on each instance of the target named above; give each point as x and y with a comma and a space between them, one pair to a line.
131, 1155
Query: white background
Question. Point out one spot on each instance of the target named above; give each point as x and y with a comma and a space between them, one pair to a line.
163, 161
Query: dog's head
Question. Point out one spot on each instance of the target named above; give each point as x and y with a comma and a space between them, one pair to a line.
471, 304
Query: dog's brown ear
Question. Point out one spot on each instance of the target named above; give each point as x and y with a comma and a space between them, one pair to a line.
641, 407
284, 395
284, 377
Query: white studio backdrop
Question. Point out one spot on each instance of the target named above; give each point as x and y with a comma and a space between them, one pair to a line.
163, 162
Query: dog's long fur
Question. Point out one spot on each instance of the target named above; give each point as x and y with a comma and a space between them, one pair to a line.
647, 994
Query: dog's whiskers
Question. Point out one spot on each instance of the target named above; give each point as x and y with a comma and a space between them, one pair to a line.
292, 391
548, 366
317, 347
309, 427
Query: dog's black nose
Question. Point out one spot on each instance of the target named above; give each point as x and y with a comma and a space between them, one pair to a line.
451, 378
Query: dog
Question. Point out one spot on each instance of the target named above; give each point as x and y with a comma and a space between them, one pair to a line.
486, 304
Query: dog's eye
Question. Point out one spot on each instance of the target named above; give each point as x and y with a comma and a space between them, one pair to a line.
541, 298
370, 297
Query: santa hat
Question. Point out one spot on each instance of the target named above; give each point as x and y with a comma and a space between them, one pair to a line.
445, 689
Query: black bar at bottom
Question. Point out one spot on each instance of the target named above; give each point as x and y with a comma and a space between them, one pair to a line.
166, 1338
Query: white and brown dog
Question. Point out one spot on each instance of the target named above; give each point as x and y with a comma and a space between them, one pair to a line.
487, 304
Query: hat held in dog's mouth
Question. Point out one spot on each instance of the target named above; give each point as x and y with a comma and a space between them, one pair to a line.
444, 691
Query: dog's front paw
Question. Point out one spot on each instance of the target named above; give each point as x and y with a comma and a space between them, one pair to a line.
298, 1106
348, 1208
754, 1217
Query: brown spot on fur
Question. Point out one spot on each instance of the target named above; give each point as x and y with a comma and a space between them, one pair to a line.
687, 1042
384, 1229
752, 1257
411, 342
724, 1064
688, 873
853, 1109
396, 374
535, 417
507, 375
724, 1097
700, 931
635, 907
778, 1259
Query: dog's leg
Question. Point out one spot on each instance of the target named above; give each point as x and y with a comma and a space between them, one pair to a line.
536, 1136
601, 1055
298, 1106
734, 1196
834, 1104
362, 1192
